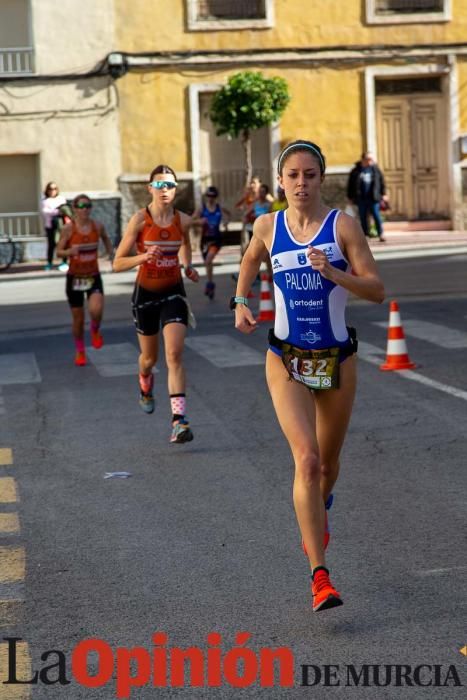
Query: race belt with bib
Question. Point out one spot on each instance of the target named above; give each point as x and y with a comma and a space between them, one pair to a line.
316, 369
82, 284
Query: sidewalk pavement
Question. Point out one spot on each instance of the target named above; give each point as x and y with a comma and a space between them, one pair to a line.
398, 244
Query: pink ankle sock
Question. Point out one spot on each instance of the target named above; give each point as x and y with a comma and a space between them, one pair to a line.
95, 325
178, 404
79, 344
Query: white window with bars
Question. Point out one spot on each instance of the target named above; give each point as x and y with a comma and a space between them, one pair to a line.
16, 50
221, 15
407, 11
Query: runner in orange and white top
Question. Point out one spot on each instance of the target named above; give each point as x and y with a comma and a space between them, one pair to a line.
79, 241
159, 235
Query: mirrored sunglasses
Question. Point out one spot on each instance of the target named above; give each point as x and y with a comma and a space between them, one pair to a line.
83, 205
160, 184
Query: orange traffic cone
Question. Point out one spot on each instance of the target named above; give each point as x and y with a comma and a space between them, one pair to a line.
266, 307
396, 356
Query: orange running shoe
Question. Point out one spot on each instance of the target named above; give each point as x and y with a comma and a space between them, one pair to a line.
97, 341
324, 594
80, 358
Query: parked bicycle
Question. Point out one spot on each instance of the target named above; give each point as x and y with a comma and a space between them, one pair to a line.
15, 228
7, 252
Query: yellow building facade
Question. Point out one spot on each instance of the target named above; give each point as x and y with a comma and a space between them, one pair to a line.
389, 76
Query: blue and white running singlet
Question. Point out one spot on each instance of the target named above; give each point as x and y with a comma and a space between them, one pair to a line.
310, 310
213, 221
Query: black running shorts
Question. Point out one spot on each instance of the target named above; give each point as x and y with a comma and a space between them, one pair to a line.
151, 312
210, 242
76, 298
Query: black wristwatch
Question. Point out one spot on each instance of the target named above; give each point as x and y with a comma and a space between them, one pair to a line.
237, 300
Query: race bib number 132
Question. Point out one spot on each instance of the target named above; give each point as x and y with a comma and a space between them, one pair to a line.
318, 371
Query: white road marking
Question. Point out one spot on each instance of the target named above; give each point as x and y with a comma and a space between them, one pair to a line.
224, 351
444, 337
447, 570
373, 355
19, 368
115, 360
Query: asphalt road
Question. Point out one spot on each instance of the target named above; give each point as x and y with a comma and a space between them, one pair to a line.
202, 537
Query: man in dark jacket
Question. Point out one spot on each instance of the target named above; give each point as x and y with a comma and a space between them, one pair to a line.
366, 189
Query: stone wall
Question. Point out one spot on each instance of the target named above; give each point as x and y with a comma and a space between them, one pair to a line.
107, 212
334, 190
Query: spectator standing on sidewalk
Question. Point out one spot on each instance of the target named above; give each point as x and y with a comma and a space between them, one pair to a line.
55, 213
366, 189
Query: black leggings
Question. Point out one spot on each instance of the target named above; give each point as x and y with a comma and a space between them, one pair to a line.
51, 233
50, 243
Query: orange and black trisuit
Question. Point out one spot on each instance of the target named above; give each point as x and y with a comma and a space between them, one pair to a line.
159, 294
83, 273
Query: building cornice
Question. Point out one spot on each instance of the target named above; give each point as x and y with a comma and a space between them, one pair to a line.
117, 63
341, 54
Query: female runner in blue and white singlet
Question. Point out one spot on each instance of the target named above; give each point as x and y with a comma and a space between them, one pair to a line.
211, 215
318, 255
310, 309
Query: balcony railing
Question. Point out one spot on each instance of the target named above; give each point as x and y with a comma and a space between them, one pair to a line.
21, 225
18, 60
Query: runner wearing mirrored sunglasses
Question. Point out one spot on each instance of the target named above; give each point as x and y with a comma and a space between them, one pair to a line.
159, 235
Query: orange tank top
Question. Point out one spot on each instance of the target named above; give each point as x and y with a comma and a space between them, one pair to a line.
85, 263
164, 273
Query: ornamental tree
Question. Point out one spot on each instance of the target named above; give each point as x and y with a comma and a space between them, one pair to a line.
248, 101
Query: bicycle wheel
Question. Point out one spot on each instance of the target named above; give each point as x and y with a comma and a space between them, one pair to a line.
7, 253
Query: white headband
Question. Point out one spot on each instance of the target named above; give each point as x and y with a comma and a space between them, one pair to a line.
297, 146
